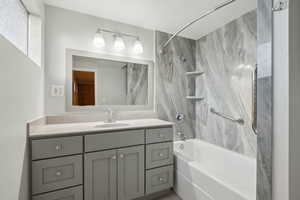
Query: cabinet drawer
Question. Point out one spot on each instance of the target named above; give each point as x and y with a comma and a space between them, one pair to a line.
159, 135
57, 173
114, 140
47, 148
159, 179
67, 194
159, 155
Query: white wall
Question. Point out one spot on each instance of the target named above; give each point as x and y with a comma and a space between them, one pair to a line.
68, 29
21, 100
294, 101
281, 107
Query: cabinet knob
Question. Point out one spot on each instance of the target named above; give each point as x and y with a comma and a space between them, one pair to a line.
58, 173
58, 147
161, 179
114, 157
121, 156
161, 154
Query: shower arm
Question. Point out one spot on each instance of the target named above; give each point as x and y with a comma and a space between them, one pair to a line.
195, 20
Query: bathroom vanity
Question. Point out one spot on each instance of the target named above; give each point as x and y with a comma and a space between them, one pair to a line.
101, 161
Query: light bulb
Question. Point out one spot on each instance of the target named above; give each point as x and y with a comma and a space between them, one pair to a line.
119, 43
99, 40
138, 47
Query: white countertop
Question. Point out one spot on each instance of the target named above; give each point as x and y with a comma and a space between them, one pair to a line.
52, 130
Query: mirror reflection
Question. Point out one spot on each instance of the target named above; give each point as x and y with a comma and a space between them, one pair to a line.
107, 82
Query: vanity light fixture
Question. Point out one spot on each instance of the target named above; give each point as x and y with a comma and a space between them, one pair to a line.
119, 41
138, 47
119, 44
99, 39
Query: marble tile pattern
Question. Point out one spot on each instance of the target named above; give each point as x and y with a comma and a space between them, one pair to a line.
172, 84
264, 100
137, 84
228, 58
264, 140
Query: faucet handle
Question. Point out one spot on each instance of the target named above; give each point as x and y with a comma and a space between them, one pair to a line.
109, 115
179, 116
108, 110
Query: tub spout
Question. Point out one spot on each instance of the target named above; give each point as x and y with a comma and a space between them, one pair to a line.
181, 136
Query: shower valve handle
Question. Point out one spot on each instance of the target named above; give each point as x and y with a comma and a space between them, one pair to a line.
179, 116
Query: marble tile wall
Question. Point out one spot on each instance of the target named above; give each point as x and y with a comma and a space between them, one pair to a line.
227, 57
137, 84
172, 84
264, 99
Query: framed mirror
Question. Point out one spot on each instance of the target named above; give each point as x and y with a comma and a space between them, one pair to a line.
97, 81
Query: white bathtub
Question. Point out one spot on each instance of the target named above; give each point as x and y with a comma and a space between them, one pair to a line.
208, 172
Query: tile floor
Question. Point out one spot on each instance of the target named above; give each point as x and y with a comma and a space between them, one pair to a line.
170, 196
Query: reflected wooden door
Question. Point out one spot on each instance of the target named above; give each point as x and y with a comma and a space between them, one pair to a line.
83, 88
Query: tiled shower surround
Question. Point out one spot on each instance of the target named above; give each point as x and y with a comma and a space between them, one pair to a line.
227, 57
172, 85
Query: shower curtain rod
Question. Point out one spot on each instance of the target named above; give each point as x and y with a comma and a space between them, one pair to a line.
195, 20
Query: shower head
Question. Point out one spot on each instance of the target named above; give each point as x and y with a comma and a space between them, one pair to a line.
161, 50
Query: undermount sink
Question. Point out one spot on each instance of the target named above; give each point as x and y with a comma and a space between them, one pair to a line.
114, 124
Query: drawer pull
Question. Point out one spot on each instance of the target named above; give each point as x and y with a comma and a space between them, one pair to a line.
114, 157
161, 154
161, 179
121, 156
58, 147
58, 173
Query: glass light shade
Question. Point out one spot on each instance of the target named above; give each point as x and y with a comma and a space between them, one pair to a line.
138, 47
99, 40
119, 44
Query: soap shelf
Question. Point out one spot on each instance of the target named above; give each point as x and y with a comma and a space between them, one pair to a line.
195, 73
194, 98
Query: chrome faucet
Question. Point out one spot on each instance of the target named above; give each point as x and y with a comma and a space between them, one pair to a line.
181, 136
109, 115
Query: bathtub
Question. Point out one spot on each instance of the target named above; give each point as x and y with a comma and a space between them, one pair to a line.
208, 172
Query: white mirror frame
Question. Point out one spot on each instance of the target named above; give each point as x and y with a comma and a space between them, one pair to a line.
69, 67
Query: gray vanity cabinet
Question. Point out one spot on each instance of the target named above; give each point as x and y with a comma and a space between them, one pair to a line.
115, 165
131, 172
100, 175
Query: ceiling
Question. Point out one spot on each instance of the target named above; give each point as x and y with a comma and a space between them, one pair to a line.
163, 15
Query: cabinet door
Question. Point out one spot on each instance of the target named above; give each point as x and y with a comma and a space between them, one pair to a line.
131, 172
100, 181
